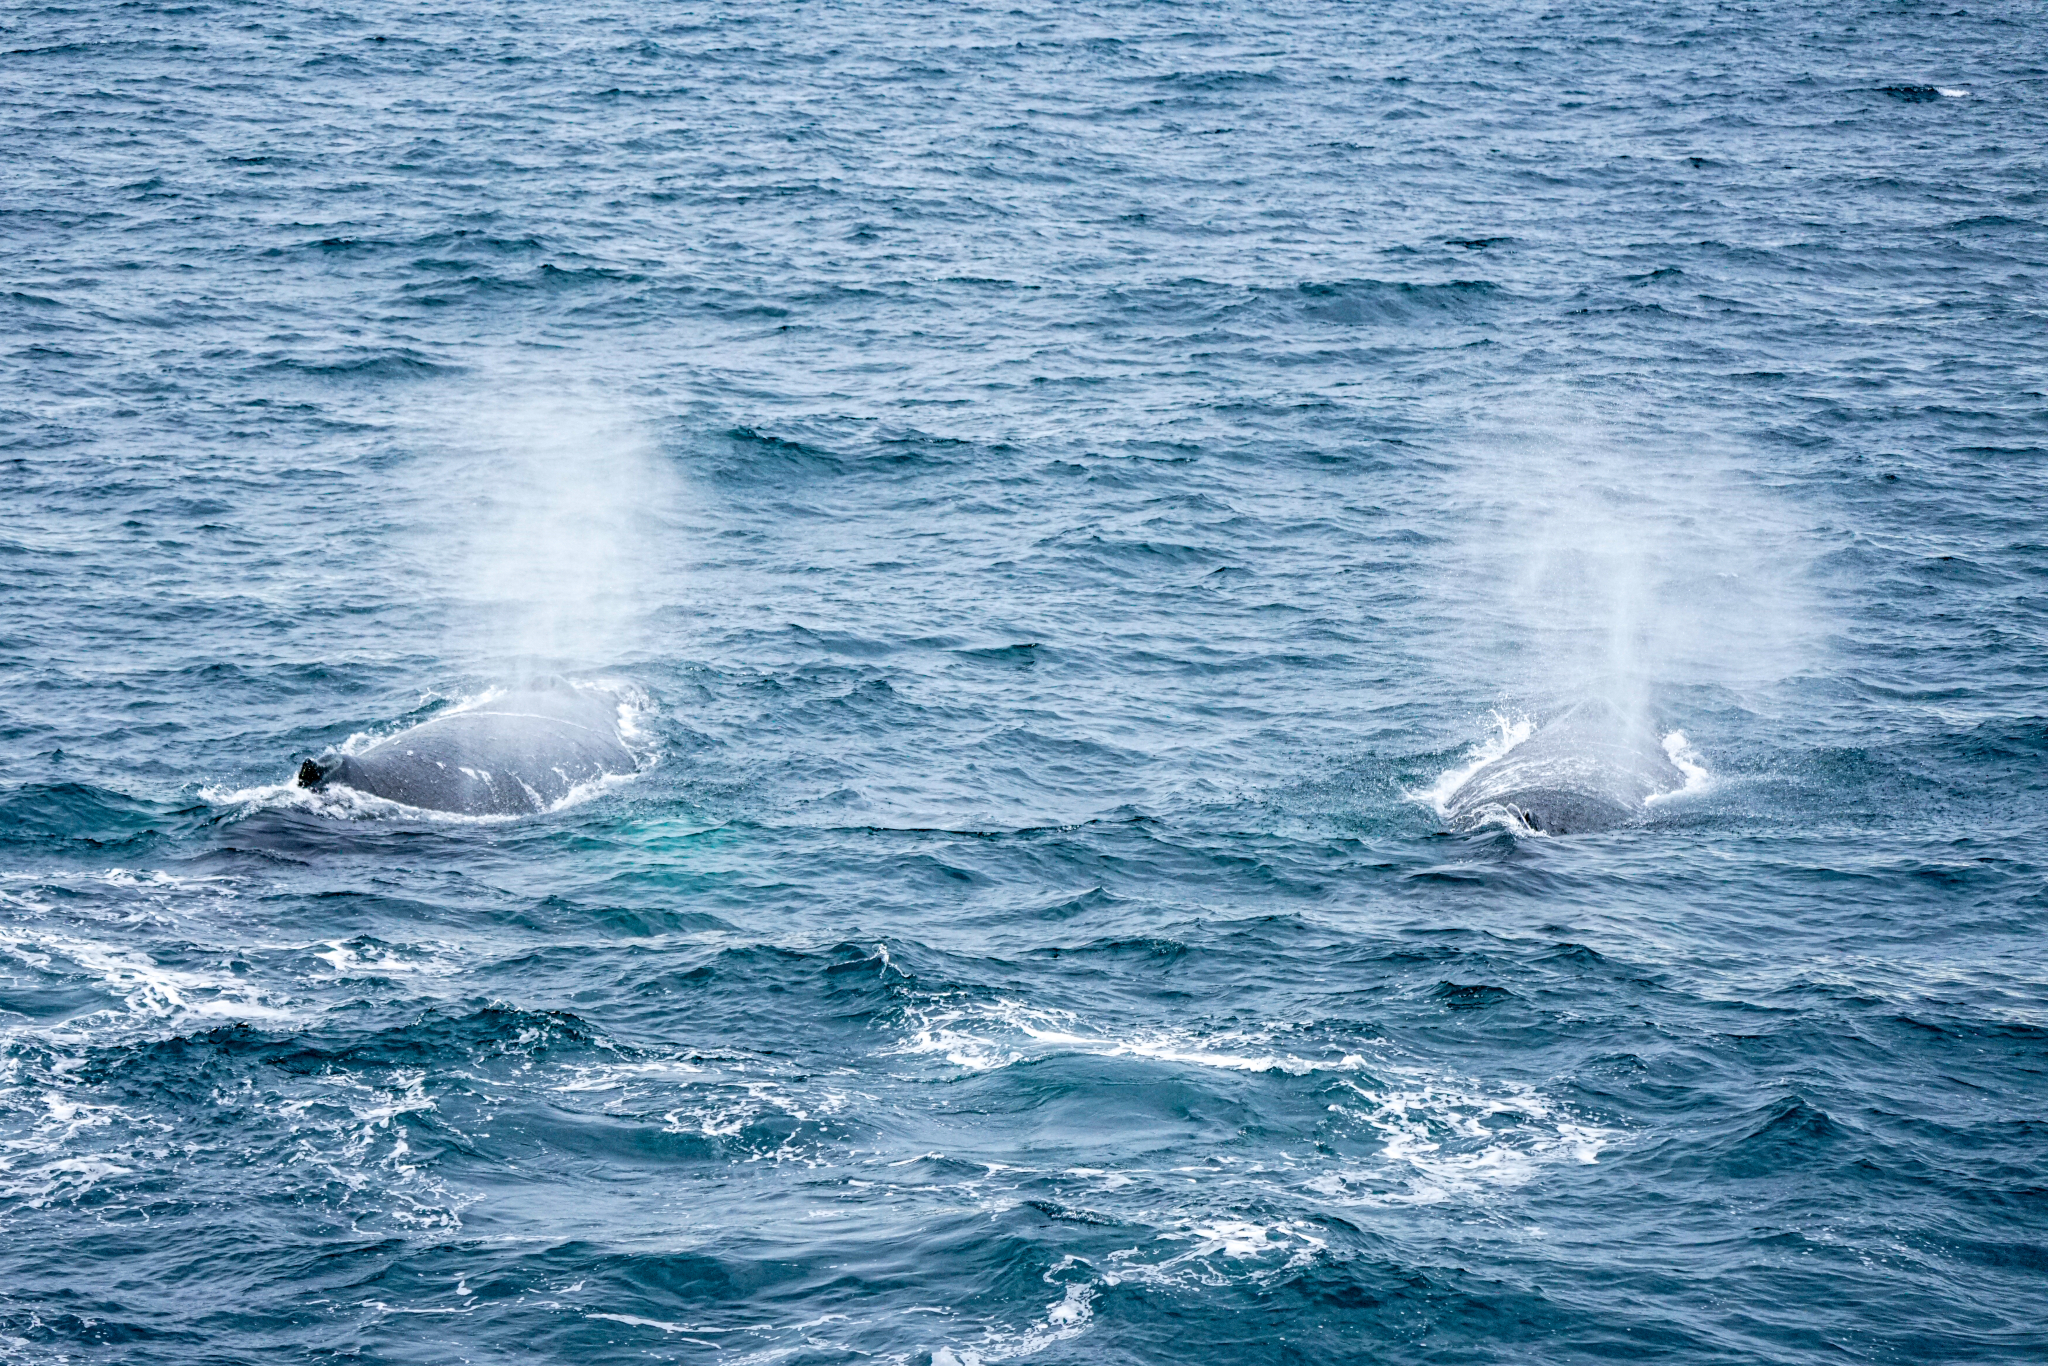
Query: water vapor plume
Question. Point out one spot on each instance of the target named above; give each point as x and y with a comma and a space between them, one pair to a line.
1624, 569
550, 534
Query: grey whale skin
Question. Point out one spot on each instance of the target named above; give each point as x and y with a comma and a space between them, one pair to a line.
512, 756
1591, 769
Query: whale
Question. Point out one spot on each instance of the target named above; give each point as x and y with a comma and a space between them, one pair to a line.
512, 755
1593, 768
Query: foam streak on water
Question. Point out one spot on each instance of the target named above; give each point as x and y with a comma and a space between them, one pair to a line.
1063, 494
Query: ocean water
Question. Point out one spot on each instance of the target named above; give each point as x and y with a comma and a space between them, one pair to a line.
1060, 493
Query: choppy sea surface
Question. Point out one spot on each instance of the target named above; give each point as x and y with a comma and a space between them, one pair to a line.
1059, 492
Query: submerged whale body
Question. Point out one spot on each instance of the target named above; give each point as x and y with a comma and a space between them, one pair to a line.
511, 756
1591, 769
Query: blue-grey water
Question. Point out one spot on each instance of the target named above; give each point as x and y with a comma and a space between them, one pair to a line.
1059, 492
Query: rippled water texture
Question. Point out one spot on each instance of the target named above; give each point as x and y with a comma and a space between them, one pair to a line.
1065, 492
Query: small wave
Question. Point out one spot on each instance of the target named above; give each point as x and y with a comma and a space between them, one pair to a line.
71, 812
333, 1136
1065, 1318
147, 989
1364, 302
382, 365
365, 957
1440, 1137
1226, 1249
967, 1035
744, 455
1445, 1137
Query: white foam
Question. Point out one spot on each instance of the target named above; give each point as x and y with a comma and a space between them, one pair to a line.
1442, 1141
594, 787
1509, 730
61, 1143
58, 1146
1441, 1138
410, 1098
367, 1151
723, 1106
624, 1075
964, 1034
158, 880
636, 1321
1222, 1250
1065, 1319
146, 987
635, 710
1239, 1238
144, 897
335, 801
342, 1132
380, 960
1169, 1048
1686, 760
54, 1182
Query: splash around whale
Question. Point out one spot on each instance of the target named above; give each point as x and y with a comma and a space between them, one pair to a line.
1594, 768
514, 754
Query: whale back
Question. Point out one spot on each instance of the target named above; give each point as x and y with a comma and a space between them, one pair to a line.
514, 755
1591, 769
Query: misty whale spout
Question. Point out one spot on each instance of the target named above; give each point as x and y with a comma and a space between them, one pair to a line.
514, 755
1593, 768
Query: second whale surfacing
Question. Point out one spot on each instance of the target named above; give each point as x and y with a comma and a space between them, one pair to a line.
1594, 768
513, 755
